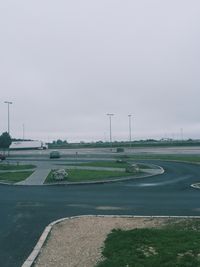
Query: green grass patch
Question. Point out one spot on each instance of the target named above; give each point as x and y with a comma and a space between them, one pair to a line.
11, 167
176, 245
109, 164
13, 177
187, 158
76, 175
106, 164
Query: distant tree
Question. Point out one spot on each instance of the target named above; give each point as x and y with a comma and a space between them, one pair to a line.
99, 142
59, 142
5, 140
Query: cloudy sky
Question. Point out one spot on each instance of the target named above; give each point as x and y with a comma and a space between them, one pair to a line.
66, 64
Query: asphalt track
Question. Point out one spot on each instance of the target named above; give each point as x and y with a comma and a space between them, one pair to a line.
26, 210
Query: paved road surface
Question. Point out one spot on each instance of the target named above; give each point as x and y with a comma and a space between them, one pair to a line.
195, 150
25, 211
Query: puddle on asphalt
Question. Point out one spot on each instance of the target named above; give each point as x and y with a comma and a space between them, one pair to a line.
196, 209
29, 204
86, 206
109, 208
161, 183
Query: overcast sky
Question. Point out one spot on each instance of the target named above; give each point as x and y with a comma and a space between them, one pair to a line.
65, 64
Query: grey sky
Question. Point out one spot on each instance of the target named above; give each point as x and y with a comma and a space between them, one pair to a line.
65, 64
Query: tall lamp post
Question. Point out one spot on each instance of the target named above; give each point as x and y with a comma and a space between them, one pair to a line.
110, 121
130, 134
8, 103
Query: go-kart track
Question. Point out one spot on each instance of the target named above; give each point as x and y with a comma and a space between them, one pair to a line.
27, 210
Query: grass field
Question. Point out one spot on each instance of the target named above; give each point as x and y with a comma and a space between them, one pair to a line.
187, 158
175, 245
109, 164
14, 177
89, 175
11, 167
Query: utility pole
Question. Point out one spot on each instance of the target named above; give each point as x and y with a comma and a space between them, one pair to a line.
130, 134
110, 121
8, 103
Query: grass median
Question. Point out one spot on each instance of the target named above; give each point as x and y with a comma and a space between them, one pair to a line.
15, 167
14, 177
174, 245
109, 164
106, 164
75, 175
177, 157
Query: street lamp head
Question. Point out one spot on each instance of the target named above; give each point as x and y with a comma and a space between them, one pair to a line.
8, 102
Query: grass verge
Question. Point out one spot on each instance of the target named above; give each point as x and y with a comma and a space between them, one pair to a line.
75, 175
109, 164
174, 245
14, 177
106, 164
15, 167
186, 158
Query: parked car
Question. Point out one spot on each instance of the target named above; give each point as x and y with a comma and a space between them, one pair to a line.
54, 155
2, 157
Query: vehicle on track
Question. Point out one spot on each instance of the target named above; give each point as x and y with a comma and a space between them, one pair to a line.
54, 154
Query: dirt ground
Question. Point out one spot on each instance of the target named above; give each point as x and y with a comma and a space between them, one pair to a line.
78, 242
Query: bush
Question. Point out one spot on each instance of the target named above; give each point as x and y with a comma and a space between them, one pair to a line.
132, 168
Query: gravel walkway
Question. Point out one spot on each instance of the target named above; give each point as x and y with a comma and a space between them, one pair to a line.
78, 242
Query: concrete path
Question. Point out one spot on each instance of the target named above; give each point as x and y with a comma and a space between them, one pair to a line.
37, 178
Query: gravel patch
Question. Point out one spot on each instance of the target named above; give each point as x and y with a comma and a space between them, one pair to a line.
79, 241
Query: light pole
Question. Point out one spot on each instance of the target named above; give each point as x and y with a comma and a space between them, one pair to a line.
8, 103
130, 137
110, 120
